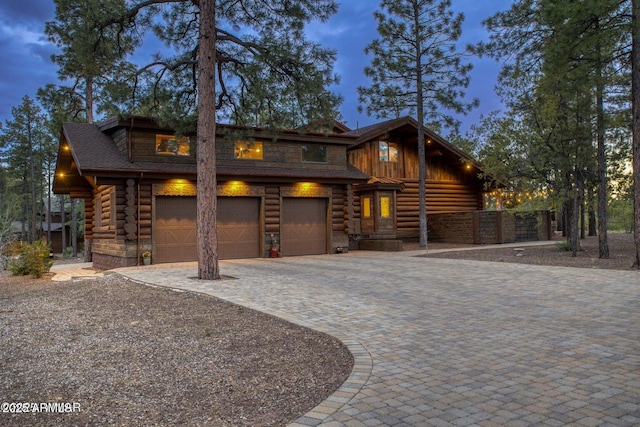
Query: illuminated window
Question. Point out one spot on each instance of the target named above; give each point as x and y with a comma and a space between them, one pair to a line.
366, 207
388, 151
385, 207
248, 150
170, 145
314, 153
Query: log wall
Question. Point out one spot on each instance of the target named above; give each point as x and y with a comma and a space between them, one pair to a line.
442, 196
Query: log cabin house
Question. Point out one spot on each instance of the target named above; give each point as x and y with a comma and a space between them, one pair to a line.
388, 153
302, 192
389, 203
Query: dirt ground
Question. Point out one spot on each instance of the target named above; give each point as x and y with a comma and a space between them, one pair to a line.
129, 354
621, 251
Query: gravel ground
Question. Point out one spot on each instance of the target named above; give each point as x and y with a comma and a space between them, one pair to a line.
621, 251
134, 355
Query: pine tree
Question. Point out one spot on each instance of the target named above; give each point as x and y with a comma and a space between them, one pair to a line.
567, 55
416, 68
92, 55
230, 61
635, 96
24, 142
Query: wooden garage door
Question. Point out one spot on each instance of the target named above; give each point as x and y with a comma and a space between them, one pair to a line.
175, 229
238, 227
304, 226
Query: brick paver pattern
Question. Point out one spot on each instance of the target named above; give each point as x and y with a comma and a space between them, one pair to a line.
449, 342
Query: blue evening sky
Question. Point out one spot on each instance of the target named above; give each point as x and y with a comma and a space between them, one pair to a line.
26, 64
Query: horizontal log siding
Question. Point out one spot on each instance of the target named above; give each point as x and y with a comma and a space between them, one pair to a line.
272, 212
102, 227
89, 213
338, 208
145, 216
441, 197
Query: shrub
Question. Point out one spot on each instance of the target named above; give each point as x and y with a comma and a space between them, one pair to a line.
33, 259
67, 252
563, 246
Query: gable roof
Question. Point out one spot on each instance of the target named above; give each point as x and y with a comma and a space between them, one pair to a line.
368, 133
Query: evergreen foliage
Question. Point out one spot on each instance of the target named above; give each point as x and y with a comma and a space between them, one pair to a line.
34, 259
25, 144
416, 56
416, 69
564, 70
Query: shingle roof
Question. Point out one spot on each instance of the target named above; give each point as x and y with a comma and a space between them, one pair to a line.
95, 153
93, 150
378, 127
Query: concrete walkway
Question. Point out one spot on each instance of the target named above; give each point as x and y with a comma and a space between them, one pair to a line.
83, 270
451, 343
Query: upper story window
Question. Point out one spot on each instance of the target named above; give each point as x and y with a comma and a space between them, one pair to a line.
314, 153
388, 151
248, 150
169, 144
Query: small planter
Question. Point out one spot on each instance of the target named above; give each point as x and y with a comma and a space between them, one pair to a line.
274, 251
146, 258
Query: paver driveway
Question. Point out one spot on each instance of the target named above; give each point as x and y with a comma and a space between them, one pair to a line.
449, 342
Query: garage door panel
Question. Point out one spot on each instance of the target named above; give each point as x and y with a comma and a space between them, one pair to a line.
304, 226
175, 233
175, 229
238, 227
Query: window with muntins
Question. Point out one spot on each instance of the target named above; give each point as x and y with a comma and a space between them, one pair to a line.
388, 151
248, 150
170, 145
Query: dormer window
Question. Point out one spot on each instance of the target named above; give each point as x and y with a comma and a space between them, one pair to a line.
248, 150
170, 145
388, 151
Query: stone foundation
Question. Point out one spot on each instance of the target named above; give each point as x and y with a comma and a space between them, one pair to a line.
381, 245
108, 262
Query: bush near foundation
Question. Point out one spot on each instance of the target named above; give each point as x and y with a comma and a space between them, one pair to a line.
33, 259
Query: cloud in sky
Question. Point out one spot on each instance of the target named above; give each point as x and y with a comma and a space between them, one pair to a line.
27, 65
26, 51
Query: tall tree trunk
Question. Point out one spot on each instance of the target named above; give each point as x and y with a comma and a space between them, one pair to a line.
635, 96
603, 244
49, 214
32, 183
63, 220
89, 99
591, 203
583, 209
574, 213
74, 228
422, 157
208, 268
593, 221
25, 208
561, 217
